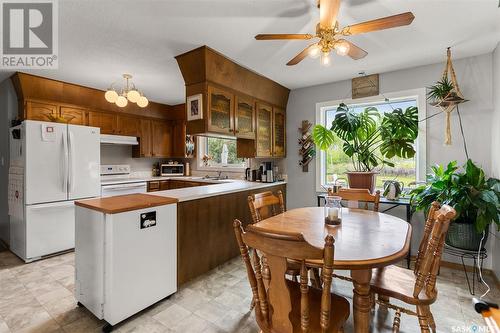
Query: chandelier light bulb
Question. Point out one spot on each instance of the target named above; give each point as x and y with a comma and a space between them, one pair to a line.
111, 95
342, 48
325, 59
314, 51
142, 102
121, 101
133, 95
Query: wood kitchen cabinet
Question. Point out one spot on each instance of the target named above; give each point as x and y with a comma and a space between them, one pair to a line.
40, 111
105, 121
145, 147
47, 112
165, 185
126, 125
75, 116
264, 130
279, 132
244, 117
220, 111
161, 138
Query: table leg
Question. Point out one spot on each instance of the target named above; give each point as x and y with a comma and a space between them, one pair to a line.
408, 219
361, 300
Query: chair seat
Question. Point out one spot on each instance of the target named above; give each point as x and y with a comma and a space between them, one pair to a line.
339, 314
398, 282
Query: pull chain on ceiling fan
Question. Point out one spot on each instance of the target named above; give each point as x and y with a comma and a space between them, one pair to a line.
331, 37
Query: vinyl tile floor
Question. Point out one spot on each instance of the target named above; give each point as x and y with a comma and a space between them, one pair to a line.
39, 297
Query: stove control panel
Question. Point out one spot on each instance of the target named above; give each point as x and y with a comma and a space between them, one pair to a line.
115, 169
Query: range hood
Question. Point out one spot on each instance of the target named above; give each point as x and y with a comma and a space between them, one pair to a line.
119, 140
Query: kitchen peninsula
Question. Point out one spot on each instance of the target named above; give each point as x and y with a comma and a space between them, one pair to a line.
205, 238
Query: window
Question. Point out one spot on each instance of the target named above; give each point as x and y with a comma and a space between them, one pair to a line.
333, 163
215, 148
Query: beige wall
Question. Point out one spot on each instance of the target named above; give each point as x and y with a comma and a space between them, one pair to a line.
495, 148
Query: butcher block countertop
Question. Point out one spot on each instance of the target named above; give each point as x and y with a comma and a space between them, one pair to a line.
125, 203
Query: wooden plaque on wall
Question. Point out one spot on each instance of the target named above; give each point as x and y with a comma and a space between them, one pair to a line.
365, 86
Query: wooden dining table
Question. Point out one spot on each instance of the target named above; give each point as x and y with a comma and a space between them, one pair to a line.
363, 241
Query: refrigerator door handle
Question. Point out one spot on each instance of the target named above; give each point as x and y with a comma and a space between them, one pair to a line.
65, 164
52, 205
71, 176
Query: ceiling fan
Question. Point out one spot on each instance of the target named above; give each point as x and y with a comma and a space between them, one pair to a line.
331, 36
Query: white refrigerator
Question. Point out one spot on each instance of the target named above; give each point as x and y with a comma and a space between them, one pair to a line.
52, 165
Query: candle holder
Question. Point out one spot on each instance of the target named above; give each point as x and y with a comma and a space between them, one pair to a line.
333, 210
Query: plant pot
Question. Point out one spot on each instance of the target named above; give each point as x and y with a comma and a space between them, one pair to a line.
464, 236
358, 179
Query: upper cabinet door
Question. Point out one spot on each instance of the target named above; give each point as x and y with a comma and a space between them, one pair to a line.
105, 121
161, 138
244, 119
41, 111
75, 116
145, 144
126, 125
279, 133
220, 111
264, 130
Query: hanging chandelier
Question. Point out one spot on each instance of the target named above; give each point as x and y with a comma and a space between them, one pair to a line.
127, 93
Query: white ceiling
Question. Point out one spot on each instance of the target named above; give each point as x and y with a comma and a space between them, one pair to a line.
100, 39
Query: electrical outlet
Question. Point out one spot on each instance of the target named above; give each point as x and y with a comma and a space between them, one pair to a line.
2, 161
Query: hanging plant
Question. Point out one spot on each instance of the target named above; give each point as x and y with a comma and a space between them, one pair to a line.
446, 94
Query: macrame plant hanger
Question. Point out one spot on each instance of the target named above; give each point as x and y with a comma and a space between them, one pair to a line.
449, 103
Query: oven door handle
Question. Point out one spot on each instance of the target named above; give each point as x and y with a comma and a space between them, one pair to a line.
120, 187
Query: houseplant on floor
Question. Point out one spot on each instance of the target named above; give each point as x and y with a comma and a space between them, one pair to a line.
475, 198
370, 139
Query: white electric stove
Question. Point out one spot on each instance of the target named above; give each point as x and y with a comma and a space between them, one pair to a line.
117, 180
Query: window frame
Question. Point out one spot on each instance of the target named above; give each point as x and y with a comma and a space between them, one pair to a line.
202, 142
421, 156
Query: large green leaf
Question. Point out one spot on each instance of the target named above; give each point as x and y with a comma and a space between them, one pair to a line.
322, 137
397, 147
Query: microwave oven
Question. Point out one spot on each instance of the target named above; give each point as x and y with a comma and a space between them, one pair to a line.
171, 170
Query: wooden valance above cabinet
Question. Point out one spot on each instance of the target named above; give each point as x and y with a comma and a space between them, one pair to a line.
160, 128
236, 102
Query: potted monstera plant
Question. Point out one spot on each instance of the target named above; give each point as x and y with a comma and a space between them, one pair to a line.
475, 198
370, 139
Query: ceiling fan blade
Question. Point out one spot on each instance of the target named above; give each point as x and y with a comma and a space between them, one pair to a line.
328, 11
355, 52
301, 56
283, 36
379, 24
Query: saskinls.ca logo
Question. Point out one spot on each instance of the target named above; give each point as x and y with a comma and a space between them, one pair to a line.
473, 328
29, 34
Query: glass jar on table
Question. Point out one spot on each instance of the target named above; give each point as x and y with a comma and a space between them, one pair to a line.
333, 210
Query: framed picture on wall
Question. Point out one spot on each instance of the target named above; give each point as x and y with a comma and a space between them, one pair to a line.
194, 106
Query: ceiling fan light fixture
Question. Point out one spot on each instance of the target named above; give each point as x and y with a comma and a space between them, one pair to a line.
111, 95
314, 51
342, 48
325, 59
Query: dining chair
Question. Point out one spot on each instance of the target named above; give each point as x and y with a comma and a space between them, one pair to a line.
283, 305
265, 204
416, 287
356, 195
